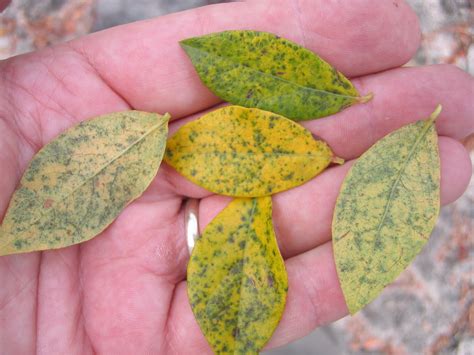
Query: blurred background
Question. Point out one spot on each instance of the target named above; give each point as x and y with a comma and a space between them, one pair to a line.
430, 308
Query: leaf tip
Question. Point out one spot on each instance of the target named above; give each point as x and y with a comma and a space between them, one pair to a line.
353, 311
166, 117
366, 98
187, 42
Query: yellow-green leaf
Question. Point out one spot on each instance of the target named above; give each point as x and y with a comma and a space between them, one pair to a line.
386, 210
237, 281
77, 184
259, 69
244, 152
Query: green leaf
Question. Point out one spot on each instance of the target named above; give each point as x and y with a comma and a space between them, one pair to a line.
243, 152
386, 210
259, 69
237, 281
77, 184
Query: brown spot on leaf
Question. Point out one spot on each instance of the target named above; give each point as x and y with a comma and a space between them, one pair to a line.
236, 332
48, 203
270, 281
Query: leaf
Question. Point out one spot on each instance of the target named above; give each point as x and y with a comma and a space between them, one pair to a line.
237, 281
259, 69
77, 184
244, 152
386, 210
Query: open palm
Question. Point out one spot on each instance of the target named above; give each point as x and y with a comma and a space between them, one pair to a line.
124, 292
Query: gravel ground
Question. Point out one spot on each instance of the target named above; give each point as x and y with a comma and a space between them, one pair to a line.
429, 309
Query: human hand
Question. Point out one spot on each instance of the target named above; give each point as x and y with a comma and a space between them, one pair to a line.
125, 290
4, 4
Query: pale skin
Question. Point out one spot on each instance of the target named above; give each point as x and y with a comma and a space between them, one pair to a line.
124, 292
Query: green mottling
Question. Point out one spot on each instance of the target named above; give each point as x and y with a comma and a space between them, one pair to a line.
259, 69
234, 152
78, 184
19, 244
376, 227
238, 295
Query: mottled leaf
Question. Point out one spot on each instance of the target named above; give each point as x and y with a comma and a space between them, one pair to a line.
78, 183
259, 69
237, 282
386, 210
244, 152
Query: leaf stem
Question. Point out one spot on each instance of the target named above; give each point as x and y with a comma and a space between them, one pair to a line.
435, 114
366, 98
166, 117
337, 160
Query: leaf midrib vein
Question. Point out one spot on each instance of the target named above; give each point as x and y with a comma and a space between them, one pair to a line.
277, 77
242, 281
211, 294
219, 153
399, 176
62, 197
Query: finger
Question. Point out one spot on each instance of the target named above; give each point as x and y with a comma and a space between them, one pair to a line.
4, 4
301, 229
401, 96
169, 184
18, 302
58, 318
314, 298
145, 65
314, 295
130, 272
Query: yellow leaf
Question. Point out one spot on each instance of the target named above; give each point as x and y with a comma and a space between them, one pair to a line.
244, 152
386, 210
237, 281
77, 184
